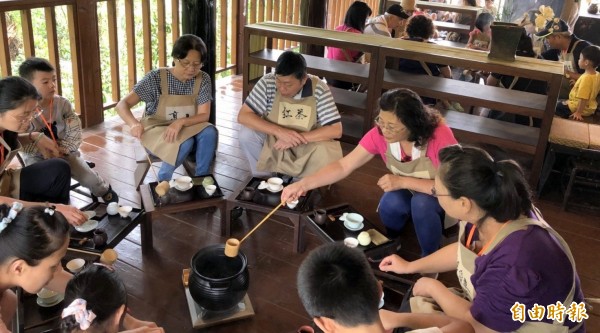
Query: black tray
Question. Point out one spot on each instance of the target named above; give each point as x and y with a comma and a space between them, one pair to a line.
265, 197
333, 229
115, 226
197, 192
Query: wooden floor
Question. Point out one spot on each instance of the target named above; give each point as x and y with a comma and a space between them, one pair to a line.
154, 280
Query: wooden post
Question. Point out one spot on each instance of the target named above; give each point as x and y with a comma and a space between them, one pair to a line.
87, 45
313, 13
198, 18
241, 22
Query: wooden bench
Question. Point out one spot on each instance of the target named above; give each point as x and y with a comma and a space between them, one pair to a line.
496, 98
475, 129
378, 77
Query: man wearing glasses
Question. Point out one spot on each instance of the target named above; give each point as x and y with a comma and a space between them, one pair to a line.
290, 121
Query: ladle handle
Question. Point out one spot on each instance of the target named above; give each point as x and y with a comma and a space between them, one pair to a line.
263, 221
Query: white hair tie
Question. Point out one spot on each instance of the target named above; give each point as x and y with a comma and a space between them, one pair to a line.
12, 214
78, 309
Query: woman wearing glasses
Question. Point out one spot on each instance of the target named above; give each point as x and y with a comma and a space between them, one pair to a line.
175, 120
47, 181
511, 265
408, 137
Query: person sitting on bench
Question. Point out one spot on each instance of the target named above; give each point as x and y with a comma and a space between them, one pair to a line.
289, 121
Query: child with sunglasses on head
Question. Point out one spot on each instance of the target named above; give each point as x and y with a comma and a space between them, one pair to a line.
97, 303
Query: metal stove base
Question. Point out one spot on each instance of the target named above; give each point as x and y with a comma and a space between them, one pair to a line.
202, 318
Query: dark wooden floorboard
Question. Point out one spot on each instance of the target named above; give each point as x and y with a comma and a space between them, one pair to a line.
153, 280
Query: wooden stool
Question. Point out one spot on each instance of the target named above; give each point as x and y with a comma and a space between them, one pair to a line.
567, 137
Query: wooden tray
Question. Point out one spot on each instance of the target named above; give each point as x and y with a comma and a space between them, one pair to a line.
197, 192
267, 198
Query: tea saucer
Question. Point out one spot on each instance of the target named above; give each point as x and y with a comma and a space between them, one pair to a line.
60, 298
362, 225
174, 185
87, 226
275, 191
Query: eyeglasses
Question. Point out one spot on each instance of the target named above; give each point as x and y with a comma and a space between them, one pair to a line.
27, 117
187, 64
387, 127
435, 194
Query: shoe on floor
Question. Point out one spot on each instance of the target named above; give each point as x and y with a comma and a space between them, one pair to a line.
110, 196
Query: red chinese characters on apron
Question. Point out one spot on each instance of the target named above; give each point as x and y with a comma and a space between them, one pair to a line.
303, 160
170, 108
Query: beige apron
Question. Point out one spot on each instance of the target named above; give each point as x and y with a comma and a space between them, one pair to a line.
170, 108
420, 167
303, 160
466, 268
568, 61
9, 178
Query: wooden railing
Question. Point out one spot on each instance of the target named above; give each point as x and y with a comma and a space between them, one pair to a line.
101, 48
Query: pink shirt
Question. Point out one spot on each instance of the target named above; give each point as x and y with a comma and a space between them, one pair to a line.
375, 143
337, 54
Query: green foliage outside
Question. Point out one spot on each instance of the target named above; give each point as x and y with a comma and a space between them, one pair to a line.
41, 45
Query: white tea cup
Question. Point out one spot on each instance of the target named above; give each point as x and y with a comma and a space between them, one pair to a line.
47, 296
125, 210
292, 204
210, 189
353, 220
351, 242
112, 208
183, 182
274, 183
75, 265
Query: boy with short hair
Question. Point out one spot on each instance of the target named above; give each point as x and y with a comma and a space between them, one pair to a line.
61, 124
340, 292
582, 98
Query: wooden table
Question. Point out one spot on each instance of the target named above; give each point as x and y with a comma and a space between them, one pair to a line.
153, 210
263, 202
116, 227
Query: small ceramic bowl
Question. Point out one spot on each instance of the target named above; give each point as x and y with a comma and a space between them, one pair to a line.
292, 204
76, 265
124, 211
112, 208
48, 296
351, 242
210, 189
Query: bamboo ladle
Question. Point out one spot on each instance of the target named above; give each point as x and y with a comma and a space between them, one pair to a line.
232, 246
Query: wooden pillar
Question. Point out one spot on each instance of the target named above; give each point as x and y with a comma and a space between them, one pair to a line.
313, 13
198, 17
87, 45
241, 22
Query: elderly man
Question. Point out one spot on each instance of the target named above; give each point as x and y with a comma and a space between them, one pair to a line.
566, 47
386, 23
290, 121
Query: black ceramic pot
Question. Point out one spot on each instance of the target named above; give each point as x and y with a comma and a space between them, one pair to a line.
218, 282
